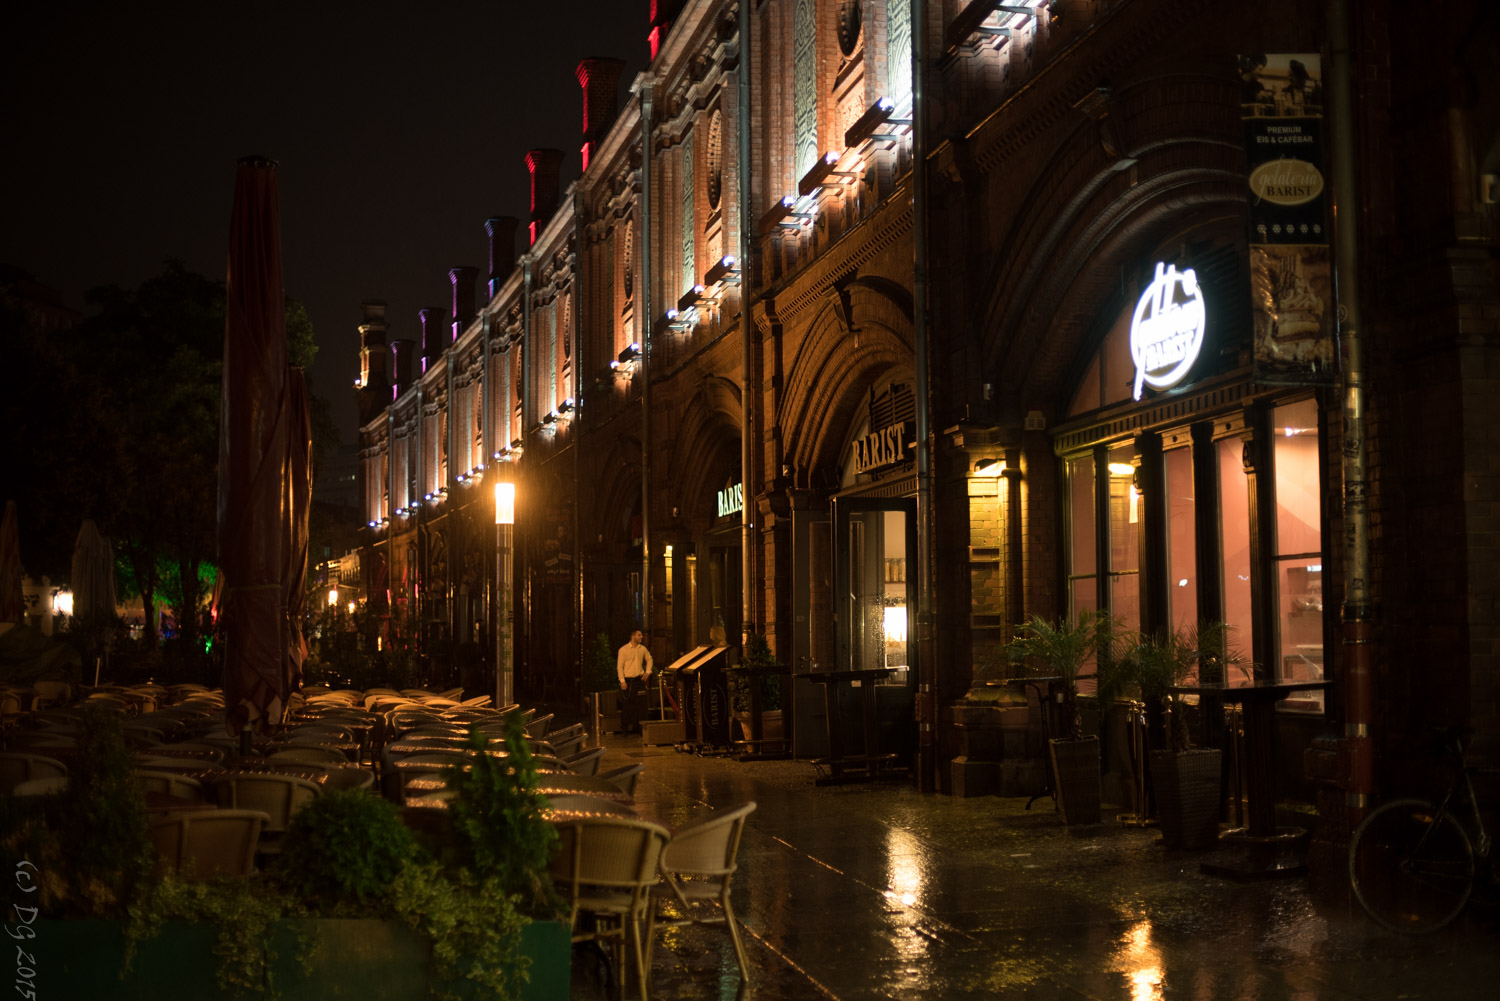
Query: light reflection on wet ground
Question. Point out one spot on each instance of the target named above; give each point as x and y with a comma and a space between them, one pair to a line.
876, 892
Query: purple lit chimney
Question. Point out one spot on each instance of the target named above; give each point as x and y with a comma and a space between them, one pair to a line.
545, 166
402, 350
462, 279
434, 338
501, 231
600, 80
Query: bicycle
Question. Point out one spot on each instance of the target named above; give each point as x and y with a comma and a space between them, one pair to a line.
1412, 863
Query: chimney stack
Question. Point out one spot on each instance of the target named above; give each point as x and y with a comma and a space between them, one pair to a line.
462, 279
433, 341
402, 351
600, 81
374, 377
662, 13
546, 182
502, 233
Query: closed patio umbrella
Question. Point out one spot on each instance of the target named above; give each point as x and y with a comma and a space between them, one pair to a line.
299, 505
253, 432
11, 607
94, 587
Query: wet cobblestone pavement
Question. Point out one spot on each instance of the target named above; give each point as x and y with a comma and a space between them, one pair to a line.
874, 891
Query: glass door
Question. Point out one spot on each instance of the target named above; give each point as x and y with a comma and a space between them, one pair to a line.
876, 557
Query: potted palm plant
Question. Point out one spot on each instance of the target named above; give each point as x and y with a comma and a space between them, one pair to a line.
1060, 651
1186, 778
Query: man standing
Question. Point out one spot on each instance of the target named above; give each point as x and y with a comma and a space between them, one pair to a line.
633, 667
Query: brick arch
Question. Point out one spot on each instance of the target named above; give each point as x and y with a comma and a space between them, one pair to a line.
617, 494
862, 331
1086, 224
708, 442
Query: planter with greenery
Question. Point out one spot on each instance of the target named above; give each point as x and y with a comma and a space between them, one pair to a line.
1186, 779
601, 685
758, 667
354, 907
1060, 651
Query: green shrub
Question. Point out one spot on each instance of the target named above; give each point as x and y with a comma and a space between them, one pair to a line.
344, 846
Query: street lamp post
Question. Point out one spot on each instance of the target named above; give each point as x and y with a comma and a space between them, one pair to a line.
505, 521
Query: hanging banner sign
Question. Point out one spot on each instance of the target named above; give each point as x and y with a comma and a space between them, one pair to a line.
885, 447
1291, 272
1166, 332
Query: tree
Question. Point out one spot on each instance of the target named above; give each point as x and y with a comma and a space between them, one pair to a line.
132, 395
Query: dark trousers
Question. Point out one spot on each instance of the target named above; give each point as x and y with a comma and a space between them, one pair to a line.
632, 705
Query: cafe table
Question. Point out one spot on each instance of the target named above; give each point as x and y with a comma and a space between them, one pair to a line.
839, 762
1262, 838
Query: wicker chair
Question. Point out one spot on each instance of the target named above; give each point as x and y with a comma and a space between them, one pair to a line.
171, 783
17, 767
206, 843
696, 866
278, 797
624, 777
606, 867
586, 762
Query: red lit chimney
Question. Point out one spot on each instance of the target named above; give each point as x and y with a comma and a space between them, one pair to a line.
662, 13
402, 351
546, 182
600, 80
502, 233
433, 341
462, 279
374, 379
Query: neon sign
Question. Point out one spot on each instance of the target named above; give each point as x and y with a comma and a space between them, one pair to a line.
1166, 334
731, 500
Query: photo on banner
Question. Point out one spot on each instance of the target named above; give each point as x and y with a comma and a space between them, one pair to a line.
1291, 271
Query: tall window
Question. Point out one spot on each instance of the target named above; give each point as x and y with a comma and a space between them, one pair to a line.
1083, 547
1182, 539
1299, 549
804, 88
1234, 543
689, 272
898, 49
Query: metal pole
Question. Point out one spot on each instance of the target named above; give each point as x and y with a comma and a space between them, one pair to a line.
647, 321
1359, 690
747, 341
504, 661
926, 707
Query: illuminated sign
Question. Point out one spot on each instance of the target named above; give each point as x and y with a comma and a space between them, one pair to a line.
885, 447
1286, 182
731, 500
1166, 332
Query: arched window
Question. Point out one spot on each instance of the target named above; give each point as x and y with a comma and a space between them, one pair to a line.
804, 87
688, 271
851, 15
714, 158
629, 259
898, 48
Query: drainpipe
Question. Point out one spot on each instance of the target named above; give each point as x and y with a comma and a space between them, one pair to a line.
747, 349
926, 705
390, 512
648, 321
1358, 617
488, 450
450, 596
580, 243
419, 572
528, 406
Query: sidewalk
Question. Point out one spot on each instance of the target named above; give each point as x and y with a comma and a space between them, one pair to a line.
875, 891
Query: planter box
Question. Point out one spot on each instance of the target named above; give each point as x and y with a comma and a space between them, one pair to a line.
1075, 776
355, 958
1187, 796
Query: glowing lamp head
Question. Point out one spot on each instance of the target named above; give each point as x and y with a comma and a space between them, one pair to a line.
505, 503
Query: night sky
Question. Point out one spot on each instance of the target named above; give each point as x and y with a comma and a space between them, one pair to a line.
399, 128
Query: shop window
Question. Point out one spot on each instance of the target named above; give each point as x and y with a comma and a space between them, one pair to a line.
1299, 550
1083, 564
1124, 536
1182, 539
1234, 543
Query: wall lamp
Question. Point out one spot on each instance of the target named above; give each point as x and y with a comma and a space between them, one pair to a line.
865, 128
689, 298
722, 271
989, 467
627, 354
973, 17
675, 319
818, 176
780, 212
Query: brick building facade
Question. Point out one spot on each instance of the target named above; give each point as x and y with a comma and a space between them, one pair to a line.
1077, 154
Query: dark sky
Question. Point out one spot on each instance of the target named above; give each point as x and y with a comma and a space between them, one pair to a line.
399, 128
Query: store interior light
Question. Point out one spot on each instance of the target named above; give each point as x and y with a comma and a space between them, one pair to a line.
333, 597
894, 624
1121, 469
505, 503
989, 467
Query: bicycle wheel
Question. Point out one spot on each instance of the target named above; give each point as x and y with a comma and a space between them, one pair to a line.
1411, 867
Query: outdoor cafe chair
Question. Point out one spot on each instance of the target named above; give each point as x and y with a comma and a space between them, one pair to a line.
624, 777
696, 866
605, 867
18, 766
586, 762
310, 754
277, 796
348, 777
169, 783
48, 786
206, 843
